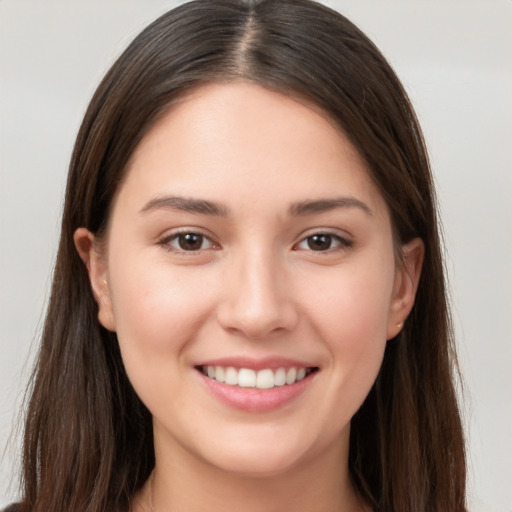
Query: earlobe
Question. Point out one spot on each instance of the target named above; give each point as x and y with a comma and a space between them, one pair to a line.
94, 261
407, 277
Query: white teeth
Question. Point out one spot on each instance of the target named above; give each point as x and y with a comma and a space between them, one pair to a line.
231, 376
248, 378
301, 373
280, 377
265, 379
219, 373
291, 375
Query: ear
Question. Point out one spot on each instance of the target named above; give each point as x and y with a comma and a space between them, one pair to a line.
407, 276
94, 260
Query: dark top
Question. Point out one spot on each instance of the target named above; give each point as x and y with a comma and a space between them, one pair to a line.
11, 508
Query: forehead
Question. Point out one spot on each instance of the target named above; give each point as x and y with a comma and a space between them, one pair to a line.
213, 108
242, 142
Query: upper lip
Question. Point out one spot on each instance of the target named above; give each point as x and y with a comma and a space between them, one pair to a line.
273, 362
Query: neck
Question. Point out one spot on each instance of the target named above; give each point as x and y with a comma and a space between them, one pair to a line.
184, 482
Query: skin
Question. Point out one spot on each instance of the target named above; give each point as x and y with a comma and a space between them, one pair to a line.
255, 288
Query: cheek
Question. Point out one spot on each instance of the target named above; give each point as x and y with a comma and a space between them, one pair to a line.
157, 308
353, 307
350, 314
158, 312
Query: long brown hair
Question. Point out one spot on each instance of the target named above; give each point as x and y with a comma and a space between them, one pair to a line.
88, 438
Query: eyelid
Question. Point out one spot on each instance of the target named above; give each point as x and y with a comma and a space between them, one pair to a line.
345, 241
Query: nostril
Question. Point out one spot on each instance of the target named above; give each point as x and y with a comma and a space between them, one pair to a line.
257, 321
256, 301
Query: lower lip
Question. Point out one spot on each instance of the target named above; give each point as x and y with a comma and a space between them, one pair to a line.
257, 400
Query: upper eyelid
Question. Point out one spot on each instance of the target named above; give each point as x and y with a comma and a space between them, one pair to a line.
171, 233
345, 240
166, 239
340, 233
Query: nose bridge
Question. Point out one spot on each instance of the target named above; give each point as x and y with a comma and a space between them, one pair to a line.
258, 299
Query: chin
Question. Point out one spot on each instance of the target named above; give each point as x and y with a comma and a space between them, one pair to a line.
263, 457
257, 465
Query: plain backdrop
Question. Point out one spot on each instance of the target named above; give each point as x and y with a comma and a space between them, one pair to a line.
454, 57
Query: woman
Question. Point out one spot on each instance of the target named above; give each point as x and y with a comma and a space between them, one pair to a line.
248, 306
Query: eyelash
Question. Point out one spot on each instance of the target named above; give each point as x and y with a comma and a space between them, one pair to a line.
341, 242
167, 242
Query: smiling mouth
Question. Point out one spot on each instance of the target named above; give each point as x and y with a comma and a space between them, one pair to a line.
256, 379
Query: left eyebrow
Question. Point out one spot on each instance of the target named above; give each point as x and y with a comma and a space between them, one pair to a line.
324, 205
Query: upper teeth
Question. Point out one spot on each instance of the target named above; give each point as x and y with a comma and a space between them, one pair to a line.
247, 378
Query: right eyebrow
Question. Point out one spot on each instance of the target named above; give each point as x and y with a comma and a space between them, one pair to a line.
185, 204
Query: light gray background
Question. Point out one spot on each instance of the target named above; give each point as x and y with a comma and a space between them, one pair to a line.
455, 59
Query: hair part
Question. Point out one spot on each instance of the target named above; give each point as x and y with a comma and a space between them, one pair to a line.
90, 448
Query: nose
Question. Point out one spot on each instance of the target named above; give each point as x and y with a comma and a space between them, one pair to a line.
258, 298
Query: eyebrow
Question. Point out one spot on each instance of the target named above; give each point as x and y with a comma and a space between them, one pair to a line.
324, 205
185, 204
205, 207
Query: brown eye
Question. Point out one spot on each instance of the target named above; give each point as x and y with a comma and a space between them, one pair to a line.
187, 241
320, 242
190, 241
324, 242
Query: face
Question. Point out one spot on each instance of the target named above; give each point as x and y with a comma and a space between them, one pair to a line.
249, 272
